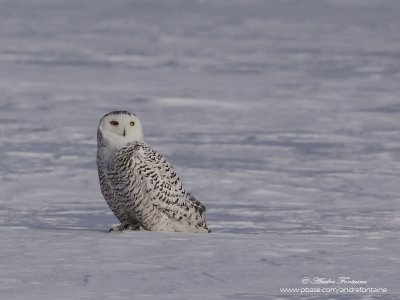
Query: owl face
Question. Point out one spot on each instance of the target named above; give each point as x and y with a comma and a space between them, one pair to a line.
119, 128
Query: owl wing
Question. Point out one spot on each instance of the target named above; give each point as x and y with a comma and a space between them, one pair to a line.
166, 190
111, 197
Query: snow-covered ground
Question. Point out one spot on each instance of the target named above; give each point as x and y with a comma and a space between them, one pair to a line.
283, 117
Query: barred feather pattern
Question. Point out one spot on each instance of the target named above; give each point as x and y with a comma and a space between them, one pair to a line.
143, 190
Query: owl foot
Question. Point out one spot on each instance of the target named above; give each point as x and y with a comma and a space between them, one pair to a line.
124, 226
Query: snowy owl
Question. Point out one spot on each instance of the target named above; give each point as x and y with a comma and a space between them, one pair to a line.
138, 184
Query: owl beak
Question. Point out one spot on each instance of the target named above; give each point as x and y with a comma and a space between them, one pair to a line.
124, 132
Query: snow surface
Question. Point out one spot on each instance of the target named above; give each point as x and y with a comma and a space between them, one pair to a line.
281, 116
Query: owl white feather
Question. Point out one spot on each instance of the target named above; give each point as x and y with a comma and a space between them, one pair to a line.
138, 184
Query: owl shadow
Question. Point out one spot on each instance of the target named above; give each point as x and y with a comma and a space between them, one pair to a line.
84, 219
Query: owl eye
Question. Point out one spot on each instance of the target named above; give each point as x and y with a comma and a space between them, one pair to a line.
114, 123
132, 123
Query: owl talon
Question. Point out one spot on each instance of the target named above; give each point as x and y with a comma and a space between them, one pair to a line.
114, 229
118, 228
123, 227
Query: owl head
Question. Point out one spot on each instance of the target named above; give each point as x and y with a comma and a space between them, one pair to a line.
118, 128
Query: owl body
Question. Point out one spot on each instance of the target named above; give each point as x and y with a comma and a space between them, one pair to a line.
139, 184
